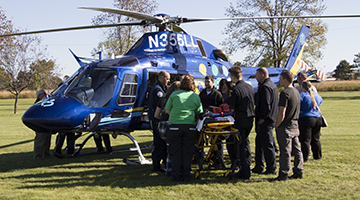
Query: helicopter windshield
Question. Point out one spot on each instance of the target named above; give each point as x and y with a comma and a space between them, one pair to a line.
94, 87
66, 83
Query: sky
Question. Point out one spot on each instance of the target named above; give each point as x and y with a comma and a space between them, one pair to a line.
342, 36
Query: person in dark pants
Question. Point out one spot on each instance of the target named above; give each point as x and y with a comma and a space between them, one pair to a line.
42, 140
60, 138
211, 97
265, 118
182, 106
310, 122
98, 138
241, 101
287, 130
160, 113
157, 92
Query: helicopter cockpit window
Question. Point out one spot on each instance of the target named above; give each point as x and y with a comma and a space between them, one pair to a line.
128, 90
201, 47
94, 88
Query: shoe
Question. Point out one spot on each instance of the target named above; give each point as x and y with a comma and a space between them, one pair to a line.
297, 175
294, 176
257, 170
37, 158
242, 176
58, 155
281, 177
269, 172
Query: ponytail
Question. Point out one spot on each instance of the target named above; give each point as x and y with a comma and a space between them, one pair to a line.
306, 85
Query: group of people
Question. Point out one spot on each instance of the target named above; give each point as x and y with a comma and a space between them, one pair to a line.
294, 114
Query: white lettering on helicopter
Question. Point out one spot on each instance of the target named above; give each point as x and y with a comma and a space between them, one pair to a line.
47, 102
174, 39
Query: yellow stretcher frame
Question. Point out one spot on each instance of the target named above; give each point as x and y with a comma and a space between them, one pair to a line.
213, 130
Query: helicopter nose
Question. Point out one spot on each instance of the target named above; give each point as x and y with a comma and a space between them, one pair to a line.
54, 115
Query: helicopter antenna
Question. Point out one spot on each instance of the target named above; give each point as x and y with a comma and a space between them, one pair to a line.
99, 54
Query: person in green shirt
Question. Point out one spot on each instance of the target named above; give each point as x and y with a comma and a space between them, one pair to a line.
182, 106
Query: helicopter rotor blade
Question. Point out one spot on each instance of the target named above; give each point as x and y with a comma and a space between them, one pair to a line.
186, 20
172, 22
136, 15
143, 23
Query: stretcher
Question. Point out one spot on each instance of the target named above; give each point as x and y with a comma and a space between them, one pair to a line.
212, 128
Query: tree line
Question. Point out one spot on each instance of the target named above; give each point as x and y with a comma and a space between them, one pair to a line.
346, 71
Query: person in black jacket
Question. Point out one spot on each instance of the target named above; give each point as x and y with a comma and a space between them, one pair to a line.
266, 110
209, 95
241, 101
157, 92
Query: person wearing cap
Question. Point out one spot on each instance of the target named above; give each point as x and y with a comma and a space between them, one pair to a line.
42, 140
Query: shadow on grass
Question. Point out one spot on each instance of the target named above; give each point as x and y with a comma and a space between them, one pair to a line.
96, 170
23, 160
17, 143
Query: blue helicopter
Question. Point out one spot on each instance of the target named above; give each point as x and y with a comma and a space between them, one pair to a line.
109, 96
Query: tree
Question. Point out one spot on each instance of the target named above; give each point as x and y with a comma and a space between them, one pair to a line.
45, 75
16, 56
16, 59
343, 71
356, 66
269, 42
120, 39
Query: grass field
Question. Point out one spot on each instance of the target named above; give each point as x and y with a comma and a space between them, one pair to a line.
336, 176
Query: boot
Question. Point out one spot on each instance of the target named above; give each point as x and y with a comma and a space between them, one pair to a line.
282, 177
297, 175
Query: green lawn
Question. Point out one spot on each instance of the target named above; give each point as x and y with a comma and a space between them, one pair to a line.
336, 176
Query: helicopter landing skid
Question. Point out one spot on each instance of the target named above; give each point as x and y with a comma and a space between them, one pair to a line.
137, 148
142, 159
